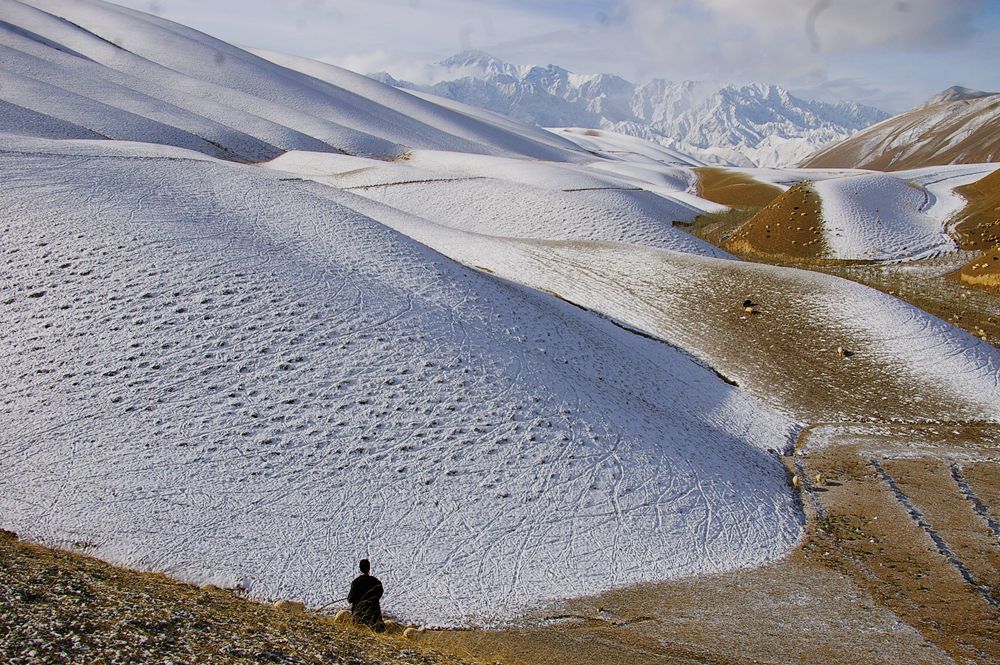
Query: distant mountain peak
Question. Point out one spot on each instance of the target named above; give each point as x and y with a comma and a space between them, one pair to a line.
957, 93
748, 124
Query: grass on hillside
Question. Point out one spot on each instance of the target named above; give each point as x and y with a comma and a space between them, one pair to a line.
978, 229
788, 228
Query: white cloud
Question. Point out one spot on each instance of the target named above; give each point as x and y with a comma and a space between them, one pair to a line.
759, 38
899, 51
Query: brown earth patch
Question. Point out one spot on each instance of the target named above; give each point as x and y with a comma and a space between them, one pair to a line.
966, 533
985, 481
978, 229
733, 189
793, 611
790, 228
891, 515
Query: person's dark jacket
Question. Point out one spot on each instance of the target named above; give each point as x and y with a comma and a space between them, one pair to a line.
365, 593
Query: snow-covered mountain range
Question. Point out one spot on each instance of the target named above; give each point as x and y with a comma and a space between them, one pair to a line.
746, 125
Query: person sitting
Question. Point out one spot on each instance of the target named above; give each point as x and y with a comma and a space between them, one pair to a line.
366, 590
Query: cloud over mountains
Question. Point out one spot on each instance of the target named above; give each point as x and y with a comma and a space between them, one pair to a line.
754, 38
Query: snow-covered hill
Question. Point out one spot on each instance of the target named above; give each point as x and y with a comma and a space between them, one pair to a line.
957, 126
875, 216
227, 373
214, 371
746, 125
257, 373
78, 69
885, 216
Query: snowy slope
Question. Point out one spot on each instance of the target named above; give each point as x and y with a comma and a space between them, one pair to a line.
892, 216
257, 374
629, 148
216, 372
512, 138
910, 365
509, 198
869, 215
958, 126
747, 125
89, 69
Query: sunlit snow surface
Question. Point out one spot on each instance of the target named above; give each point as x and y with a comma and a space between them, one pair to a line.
513, 198
894, 215
227, 376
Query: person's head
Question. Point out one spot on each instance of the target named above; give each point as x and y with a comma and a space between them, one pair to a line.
365, 566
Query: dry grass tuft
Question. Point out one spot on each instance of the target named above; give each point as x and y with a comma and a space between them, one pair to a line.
64, 607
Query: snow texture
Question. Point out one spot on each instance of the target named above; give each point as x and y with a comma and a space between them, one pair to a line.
215, 372
512, 198
888, 216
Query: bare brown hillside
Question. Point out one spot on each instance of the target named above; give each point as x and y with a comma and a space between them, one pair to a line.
978, 229
949, 130
788, 228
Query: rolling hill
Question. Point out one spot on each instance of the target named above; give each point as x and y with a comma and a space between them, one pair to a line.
96, 70
263, 317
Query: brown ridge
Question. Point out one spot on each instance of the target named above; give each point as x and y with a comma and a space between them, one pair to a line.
790, 227
733, 189
883, 148
978, 229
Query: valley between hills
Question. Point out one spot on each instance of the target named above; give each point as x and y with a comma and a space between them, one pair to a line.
580, 396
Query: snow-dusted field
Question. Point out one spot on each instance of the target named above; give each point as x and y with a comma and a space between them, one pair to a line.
491, 196
249, 345
229, 377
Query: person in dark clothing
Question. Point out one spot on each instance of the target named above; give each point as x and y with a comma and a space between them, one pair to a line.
366, 591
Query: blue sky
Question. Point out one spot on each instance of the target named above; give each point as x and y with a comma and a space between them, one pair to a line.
890, 53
